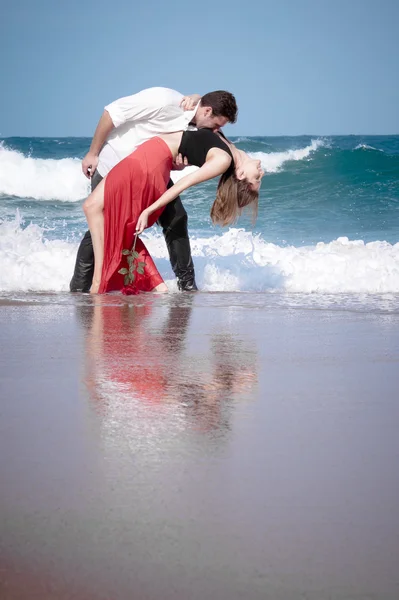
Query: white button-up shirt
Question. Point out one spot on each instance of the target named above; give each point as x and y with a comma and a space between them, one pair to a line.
138, 118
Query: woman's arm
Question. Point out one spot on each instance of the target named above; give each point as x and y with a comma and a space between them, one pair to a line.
217, 163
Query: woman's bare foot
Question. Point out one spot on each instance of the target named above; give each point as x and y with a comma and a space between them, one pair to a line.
161, 287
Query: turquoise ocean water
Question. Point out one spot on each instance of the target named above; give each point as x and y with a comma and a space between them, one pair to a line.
328, 224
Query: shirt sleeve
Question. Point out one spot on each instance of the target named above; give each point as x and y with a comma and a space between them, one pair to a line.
143, 106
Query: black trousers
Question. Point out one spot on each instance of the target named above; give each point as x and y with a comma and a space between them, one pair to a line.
174, 227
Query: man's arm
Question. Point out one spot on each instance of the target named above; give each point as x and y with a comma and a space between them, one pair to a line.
103, 129
139, 107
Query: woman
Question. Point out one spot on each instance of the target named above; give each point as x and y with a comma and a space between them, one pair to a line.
134, 193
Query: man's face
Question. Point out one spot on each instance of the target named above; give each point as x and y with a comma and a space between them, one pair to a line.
204, 118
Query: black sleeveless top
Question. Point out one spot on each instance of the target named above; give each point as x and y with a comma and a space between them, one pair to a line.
195, 145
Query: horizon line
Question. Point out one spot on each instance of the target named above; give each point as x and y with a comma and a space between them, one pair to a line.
49, 137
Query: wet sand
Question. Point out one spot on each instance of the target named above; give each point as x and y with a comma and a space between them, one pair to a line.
197, 446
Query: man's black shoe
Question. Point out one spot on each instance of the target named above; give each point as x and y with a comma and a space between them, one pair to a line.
74, 288
187, 286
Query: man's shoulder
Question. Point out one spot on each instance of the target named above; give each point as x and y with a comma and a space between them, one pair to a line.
161, 95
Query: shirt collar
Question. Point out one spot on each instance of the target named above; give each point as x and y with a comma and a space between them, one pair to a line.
190, 114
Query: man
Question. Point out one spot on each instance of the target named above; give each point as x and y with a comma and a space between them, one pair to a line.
124, 125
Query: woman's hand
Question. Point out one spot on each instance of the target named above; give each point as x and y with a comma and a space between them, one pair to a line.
190, 102
142, 222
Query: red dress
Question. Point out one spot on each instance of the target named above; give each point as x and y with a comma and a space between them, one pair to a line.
130, 187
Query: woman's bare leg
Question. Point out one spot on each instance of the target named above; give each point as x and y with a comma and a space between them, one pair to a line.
94, 211
161, 287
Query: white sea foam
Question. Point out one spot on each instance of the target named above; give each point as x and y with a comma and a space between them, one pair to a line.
366, 147
29, 262
41, 179
272, 162
232, 261
243, 139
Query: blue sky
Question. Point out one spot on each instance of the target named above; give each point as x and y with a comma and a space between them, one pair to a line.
296, 67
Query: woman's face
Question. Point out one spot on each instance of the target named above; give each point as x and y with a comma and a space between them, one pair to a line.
251, 170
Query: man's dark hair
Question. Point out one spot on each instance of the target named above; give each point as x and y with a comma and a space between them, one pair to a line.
223, 104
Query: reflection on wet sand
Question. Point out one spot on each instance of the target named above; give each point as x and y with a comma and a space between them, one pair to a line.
138, 353
189, 447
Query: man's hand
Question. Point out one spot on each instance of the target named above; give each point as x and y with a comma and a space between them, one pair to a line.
142, 222
179, 163
190, 102
89, 164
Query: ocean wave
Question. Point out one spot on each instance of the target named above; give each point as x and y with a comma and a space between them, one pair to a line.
41, 179
50, 179
248, 140
236, 260
30, 262
367, 147
272, 162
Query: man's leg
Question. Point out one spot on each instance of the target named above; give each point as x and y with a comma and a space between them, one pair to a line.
174, 226
84, 266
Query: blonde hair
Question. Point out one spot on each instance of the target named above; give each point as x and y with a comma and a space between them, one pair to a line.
232, 196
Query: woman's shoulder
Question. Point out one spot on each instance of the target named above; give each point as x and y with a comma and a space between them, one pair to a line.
210, 139
203, 134
206, 133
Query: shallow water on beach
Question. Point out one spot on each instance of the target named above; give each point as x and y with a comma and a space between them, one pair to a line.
198, 446
364, 303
